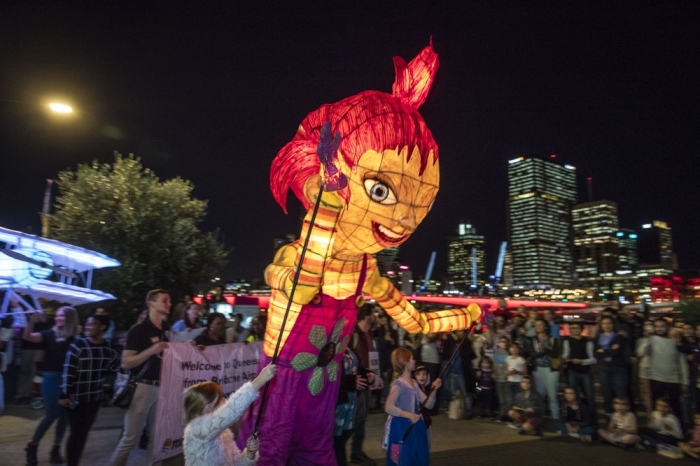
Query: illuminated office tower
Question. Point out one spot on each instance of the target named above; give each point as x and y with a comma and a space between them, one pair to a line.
283, 240
595, 227
655, 248
540, 195
404, 280
387, 261
626, 279
507, 279
627, 259
465, 258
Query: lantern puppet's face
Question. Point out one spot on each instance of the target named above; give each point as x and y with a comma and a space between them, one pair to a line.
385, 150
389, 198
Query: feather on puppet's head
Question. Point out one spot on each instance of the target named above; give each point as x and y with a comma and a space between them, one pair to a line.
370, 120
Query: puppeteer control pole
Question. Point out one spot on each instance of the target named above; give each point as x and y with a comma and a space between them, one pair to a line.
46, 210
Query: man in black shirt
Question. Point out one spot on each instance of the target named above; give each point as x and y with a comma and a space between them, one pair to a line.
142, 356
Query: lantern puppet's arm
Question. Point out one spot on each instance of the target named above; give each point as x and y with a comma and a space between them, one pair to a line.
408, 317
280, 274
315, 258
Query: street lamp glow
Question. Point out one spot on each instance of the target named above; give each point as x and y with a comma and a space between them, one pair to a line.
60, 108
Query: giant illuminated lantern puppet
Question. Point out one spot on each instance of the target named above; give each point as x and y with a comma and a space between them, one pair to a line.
375, 163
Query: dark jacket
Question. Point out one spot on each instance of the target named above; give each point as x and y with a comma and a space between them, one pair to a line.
533, 400
535, 352
467, 354
610, 357
584, 416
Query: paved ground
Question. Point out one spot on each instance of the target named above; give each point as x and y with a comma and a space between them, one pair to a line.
454, 443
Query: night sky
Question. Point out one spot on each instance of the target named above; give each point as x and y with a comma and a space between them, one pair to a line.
211, 94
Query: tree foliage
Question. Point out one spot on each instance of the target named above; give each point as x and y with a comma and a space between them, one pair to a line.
123, 210
689, 311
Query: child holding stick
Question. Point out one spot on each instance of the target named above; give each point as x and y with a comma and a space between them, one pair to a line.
208, 416
403, 407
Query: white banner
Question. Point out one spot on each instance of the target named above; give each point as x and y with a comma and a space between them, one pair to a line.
185, 335
184, 365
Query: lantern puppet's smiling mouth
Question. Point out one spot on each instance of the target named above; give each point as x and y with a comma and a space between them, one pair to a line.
387, 236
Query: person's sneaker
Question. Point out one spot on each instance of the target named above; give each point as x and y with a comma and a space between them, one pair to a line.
56, 457
143, 442
37, 403
639, 446
31, 449
514, 425
499, 420
522, 432
574, 435
362, 459
369, 460
586, 439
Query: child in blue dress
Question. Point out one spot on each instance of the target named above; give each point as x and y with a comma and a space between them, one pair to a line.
403, 407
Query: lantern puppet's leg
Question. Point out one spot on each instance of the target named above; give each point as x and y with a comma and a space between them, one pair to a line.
408, 317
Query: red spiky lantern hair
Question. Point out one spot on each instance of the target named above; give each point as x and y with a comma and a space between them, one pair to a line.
370, 120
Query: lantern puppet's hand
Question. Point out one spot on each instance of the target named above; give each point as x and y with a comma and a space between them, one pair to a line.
408, 317
327, 150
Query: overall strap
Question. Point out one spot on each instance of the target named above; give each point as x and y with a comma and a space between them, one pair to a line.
363, 275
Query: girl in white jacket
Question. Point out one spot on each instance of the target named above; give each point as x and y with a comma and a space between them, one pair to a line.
208, 416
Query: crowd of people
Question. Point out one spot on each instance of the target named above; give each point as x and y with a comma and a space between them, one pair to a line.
521, 370
526, 368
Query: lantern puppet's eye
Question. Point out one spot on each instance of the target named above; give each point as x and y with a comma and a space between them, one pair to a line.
380, 192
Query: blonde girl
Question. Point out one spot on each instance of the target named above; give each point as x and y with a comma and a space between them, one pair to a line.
208, 416
403, 407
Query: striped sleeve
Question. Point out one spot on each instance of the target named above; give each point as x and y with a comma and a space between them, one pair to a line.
413, 320
320, 236
70, 368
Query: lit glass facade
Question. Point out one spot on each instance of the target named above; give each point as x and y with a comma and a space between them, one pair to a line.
541, 193
466, 258
595, 243
387, 260
627, 258
656, 247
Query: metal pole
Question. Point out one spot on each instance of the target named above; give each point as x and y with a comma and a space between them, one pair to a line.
442, 373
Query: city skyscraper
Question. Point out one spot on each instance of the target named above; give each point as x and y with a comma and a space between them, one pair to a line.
466, 258
655, 248
282, 240
596, 241
387, 260
541, 193
626, 279
627, 257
